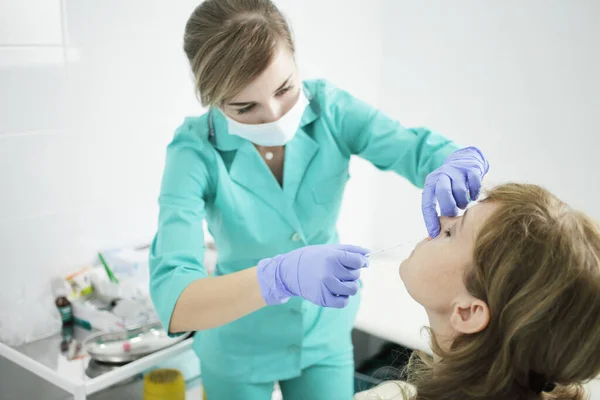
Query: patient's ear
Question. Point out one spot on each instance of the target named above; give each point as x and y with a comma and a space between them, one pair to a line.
470, 315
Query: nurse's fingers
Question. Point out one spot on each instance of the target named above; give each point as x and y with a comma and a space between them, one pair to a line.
474, 184
340, 288
346, 274
332, 301
352, 260
428, 209
460, 191
445, 198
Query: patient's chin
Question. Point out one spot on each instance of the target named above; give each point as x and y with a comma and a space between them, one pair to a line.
409, 289
402, 269
410, 279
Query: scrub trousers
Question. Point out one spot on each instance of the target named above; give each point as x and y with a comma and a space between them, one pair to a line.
329, 379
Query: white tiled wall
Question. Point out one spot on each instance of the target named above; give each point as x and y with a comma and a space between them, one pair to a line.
82, 140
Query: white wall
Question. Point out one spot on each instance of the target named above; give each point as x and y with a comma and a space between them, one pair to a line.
83, 131
519, 79
82, 138
344, 47
90, 94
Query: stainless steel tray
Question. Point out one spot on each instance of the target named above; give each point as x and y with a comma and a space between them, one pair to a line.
130, 345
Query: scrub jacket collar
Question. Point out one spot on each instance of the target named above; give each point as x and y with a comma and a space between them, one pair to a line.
251, 172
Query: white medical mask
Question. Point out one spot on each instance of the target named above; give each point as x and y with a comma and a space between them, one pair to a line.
276, 133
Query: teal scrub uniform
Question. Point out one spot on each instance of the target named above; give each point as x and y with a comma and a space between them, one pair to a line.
213, 175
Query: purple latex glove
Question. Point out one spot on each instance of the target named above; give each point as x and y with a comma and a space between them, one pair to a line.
326, 275
453, 184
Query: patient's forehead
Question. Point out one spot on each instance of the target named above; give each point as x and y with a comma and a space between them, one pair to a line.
476, 216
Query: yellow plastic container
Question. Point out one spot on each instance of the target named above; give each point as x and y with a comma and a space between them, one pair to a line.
164, 384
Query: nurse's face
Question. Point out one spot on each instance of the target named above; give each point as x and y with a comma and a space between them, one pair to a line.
434, 274
271, 95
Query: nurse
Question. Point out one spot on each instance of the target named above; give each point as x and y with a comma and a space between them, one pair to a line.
266, 167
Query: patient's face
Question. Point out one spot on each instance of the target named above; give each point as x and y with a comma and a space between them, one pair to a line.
434, 273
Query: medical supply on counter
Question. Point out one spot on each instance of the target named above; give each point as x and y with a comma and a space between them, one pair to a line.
125, 273
62, 302
80, 283
125, 262
65, 309
164, 384
130, 345
113, 315
94, 313
120, 299
109, 272
74, 350
67, 337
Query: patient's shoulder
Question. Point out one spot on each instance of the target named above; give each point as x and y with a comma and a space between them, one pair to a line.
390, 390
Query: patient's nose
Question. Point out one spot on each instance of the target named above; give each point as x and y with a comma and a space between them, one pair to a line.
447, 221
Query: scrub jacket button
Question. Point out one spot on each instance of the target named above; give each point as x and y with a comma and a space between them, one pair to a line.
296, 237
293, 349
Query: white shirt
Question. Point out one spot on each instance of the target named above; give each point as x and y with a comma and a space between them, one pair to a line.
390, 390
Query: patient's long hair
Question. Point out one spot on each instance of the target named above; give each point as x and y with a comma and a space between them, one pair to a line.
537, 266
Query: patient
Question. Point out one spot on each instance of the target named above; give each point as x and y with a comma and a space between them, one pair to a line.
512, 291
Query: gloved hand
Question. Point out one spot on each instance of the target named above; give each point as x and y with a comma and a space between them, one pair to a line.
458, 178
325, 275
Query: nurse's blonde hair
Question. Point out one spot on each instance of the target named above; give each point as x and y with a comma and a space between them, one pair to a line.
537, 266
229, 43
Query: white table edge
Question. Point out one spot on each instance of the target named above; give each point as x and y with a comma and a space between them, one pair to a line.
38, 369
95, 384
